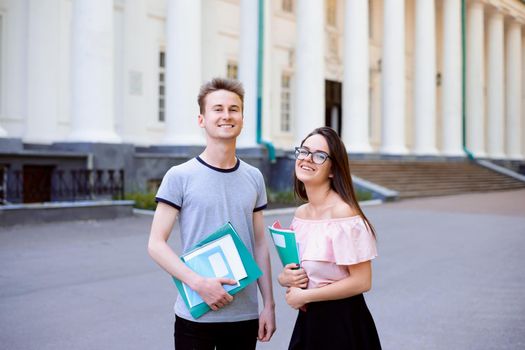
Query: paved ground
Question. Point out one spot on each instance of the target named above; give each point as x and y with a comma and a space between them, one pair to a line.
449, 276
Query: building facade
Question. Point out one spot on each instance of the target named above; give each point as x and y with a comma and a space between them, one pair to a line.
394, 77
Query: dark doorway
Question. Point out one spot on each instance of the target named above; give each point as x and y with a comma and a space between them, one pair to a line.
37, 183
333, 105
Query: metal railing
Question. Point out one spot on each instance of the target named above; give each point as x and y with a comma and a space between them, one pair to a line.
17, 186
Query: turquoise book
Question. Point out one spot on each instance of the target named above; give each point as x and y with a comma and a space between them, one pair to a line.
221, 254
285, 243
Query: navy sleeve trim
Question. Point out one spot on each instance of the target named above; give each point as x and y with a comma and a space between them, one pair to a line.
260, 208
157, 199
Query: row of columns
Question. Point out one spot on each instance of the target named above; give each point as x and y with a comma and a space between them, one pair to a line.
503, 101
92, 89
184, 73
503, 114
93, 75
92, 78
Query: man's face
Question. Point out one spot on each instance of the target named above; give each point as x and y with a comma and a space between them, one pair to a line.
222, 118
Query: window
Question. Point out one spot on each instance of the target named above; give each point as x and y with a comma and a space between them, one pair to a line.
287, 6
285, 102
162, 85
232, 70
331, 13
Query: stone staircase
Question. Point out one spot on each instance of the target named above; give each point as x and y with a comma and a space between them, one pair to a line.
432, 178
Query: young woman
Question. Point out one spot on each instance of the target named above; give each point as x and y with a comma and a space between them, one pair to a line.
336, 246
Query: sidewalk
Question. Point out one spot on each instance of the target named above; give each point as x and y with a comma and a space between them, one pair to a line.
449, 276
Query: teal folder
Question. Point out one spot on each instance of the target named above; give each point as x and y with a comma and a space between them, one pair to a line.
212, 257
285, 243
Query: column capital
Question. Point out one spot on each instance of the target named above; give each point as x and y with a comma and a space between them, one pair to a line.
495, 12
476, 3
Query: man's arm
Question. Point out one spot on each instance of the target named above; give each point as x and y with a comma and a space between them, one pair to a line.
267, 317
210, 289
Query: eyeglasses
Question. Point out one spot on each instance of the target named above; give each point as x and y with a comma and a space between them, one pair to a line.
318, 157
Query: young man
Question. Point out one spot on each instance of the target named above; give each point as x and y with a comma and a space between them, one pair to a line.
203, 194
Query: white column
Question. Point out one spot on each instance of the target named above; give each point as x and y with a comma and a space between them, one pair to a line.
248, 70
495, 86
451, 108
513, 93
183, 72
393, 85
131, 72
522, 116
15, 57
267, 73
93, 72
310, 102
43, 70
475, 80
356, 77
425, 79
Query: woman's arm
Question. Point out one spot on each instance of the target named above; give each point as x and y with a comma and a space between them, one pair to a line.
359, 281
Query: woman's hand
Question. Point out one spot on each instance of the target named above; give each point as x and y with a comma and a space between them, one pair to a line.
296, 297
292, 276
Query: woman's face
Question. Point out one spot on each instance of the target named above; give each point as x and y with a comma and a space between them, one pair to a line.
306, 170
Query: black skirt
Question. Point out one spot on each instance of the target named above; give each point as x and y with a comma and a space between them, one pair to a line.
335, 324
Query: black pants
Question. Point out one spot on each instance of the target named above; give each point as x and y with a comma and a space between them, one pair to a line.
191, 335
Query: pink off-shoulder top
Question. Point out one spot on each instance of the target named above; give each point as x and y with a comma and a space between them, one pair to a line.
327, 247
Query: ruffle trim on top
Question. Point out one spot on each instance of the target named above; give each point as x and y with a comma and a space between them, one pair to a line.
345, 241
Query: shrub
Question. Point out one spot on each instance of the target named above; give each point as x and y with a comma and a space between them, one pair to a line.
143, 200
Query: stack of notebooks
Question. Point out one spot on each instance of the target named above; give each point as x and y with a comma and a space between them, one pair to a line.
221, 254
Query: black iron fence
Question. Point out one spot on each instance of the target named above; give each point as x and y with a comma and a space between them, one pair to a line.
46, 184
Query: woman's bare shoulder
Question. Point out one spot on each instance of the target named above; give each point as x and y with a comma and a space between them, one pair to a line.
300, 212
343, 210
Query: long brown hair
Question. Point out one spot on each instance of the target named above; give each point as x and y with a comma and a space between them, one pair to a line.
341, 182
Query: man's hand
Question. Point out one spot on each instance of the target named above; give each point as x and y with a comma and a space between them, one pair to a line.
213, 293
266, 323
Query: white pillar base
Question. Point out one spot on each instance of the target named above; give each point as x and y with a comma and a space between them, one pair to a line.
426, 151
94, 136
394, 150
186, 140
359, 148
453, 153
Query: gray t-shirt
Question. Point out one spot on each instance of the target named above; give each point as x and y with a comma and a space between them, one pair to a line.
207, 198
